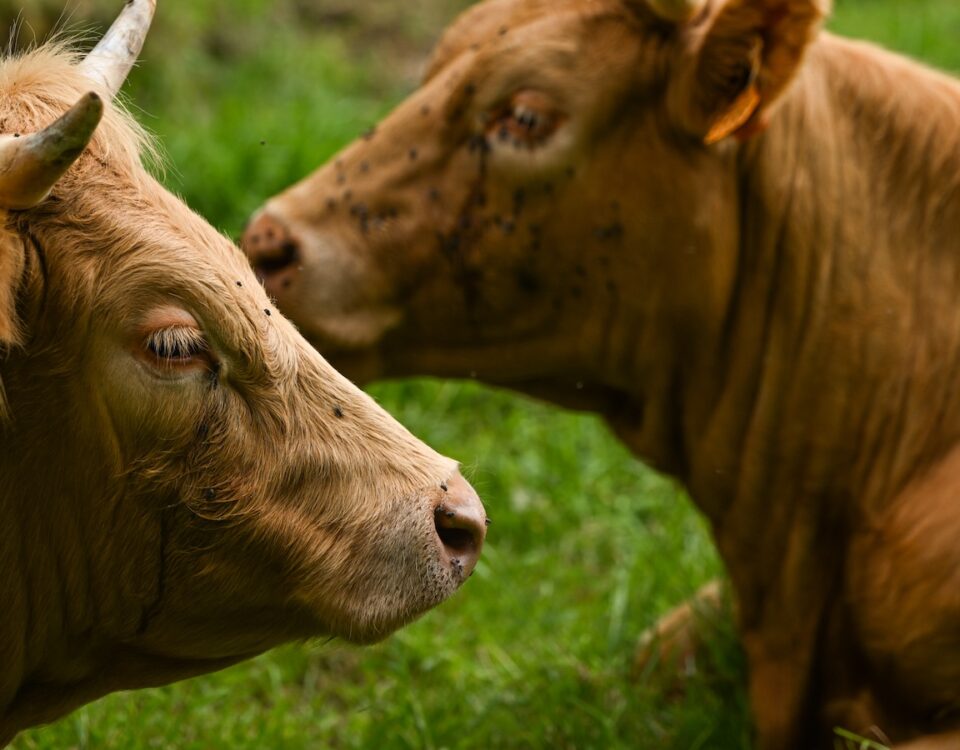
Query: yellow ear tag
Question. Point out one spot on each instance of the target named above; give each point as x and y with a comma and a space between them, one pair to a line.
735, 117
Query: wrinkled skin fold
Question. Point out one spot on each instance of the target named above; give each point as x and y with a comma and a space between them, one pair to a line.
734, 236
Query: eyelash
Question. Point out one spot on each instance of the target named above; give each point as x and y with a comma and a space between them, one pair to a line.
176, 345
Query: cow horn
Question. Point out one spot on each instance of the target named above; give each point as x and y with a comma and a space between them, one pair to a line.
30, 165
675, 10
109, 63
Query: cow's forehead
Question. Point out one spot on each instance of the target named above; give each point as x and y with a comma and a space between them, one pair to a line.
199, 267
146, 248
492, 20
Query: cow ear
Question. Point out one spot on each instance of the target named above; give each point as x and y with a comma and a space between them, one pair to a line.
11, 274
744, 56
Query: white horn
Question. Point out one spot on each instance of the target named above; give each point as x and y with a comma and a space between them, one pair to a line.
675, 10
109, 63
30, 165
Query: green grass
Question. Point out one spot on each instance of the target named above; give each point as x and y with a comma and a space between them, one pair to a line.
588, 547
926, 29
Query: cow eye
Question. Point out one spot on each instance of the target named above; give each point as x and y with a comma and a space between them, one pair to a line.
176, 346
527, 121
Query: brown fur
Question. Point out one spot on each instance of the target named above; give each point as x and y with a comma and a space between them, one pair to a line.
773, 322
158, 523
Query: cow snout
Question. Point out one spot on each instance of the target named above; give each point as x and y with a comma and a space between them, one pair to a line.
273, 251
461, 524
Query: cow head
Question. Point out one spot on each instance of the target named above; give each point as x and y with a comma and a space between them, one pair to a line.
184, 481
564, 165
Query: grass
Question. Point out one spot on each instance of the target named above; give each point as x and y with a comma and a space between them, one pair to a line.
588, 547
925, 29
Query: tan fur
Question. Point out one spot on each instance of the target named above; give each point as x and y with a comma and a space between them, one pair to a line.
156, 523
773, 322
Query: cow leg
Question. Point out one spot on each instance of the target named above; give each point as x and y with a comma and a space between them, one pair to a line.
778, 686
904, 592
677, 638
786, 584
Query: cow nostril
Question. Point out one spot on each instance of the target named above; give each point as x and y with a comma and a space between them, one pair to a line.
461, 536
459, 519
284, 255
270, 245
458, 541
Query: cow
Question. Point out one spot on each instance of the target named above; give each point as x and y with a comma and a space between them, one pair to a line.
184, 481
737, 238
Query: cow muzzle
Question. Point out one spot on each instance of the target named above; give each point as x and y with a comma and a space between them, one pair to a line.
273, 252
461, 525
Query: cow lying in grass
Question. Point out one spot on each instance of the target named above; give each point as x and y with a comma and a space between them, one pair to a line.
185, 482
735, 237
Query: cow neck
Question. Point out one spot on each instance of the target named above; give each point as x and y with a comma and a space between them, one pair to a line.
61, 612
40, 626
841, 353
840, 359
14, 593
830, 379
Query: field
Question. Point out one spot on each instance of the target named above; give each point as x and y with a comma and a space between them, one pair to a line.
588, 547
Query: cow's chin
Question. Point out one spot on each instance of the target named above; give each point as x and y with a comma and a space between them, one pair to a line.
379, 617
387, 581
372, 618
352, 343
351, 331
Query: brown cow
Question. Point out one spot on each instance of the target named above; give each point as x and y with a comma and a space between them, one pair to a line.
735, 237
184, 481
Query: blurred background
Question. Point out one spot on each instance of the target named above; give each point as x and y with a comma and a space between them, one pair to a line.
588, 547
